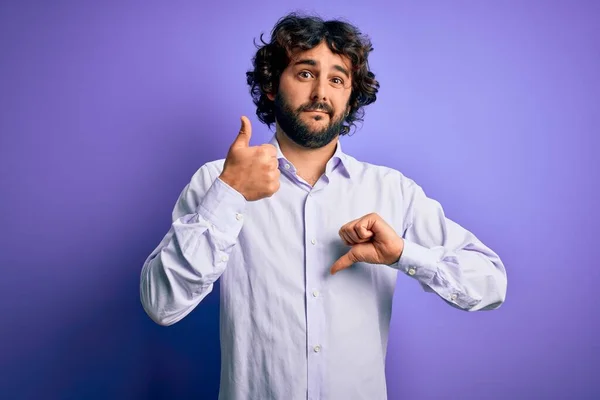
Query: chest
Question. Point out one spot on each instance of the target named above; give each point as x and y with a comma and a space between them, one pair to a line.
298, 228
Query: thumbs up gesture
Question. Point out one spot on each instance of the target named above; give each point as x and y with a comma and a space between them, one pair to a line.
251, 170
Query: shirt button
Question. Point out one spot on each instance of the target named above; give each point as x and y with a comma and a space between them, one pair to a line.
315, 293
317, 348
411, 271
453, 297
239, 216
287, 166
224, 257
313, 241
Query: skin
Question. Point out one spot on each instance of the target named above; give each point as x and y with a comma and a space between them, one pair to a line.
313, 76
253, 171
372, 240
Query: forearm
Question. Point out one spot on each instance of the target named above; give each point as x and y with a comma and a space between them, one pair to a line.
447, 259
181, 271
471, 278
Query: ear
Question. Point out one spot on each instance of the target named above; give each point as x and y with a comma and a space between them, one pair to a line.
271, 96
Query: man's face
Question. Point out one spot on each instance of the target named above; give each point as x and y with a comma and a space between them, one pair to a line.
312, 100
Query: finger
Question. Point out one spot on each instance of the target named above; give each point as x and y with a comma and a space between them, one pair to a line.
346, 238
343, 262
362, 233
347, 227
376, 224
243, 137
351, 233
357, 232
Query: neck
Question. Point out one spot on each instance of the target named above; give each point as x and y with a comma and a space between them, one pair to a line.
309, 163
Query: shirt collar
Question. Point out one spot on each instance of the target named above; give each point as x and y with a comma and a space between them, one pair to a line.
339, 160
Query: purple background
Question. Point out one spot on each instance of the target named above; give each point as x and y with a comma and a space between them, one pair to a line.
107, 110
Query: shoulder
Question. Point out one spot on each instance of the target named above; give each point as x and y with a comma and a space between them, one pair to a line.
366, 171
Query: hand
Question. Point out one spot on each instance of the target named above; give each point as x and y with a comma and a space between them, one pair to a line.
252, 171
372, 240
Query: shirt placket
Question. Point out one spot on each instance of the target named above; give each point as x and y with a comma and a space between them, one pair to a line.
315, 312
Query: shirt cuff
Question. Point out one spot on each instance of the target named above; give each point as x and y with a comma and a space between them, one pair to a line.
417, 261
223, 207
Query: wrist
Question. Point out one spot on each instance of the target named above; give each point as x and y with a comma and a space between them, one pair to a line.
400, 251
231, 182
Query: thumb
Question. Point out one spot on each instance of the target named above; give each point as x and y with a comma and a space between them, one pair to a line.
243, 138
344, 262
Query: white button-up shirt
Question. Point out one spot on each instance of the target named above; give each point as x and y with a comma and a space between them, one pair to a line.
290, 330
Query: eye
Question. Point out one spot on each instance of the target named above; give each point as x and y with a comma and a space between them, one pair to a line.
337, 81
305, 74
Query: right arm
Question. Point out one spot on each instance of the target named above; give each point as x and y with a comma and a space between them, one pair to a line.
181, 271
207, 220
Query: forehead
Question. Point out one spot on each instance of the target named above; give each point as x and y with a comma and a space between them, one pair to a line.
322, 55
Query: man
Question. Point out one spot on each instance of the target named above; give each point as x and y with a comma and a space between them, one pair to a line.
307, 241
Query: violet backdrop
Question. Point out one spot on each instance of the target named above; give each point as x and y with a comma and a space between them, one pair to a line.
108, 108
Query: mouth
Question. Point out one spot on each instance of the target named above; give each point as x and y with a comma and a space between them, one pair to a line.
317, 111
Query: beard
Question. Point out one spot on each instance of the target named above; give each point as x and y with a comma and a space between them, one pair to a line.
289, 121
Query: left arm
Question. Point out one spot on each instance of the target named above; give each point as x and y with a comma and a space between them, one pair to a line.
447, 259
443, 256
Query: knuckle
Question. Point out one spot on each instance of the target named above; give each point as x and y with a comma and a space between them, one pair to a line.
267, 148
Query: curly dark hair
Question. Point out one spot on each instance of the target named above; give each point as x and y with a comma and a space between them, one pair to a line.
297, 32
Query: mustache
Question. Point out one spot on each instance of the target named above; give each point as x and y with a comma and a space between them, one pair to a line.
324, 107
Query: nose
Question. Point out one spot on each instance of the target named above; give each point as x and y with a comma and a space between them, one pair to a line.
319, 92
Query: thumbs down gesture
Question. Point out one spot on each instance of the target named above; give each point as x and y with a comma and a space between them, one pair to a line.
373, 241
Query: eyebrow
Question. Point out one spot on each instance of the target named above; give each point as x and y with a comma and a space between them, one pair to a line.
308, 61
